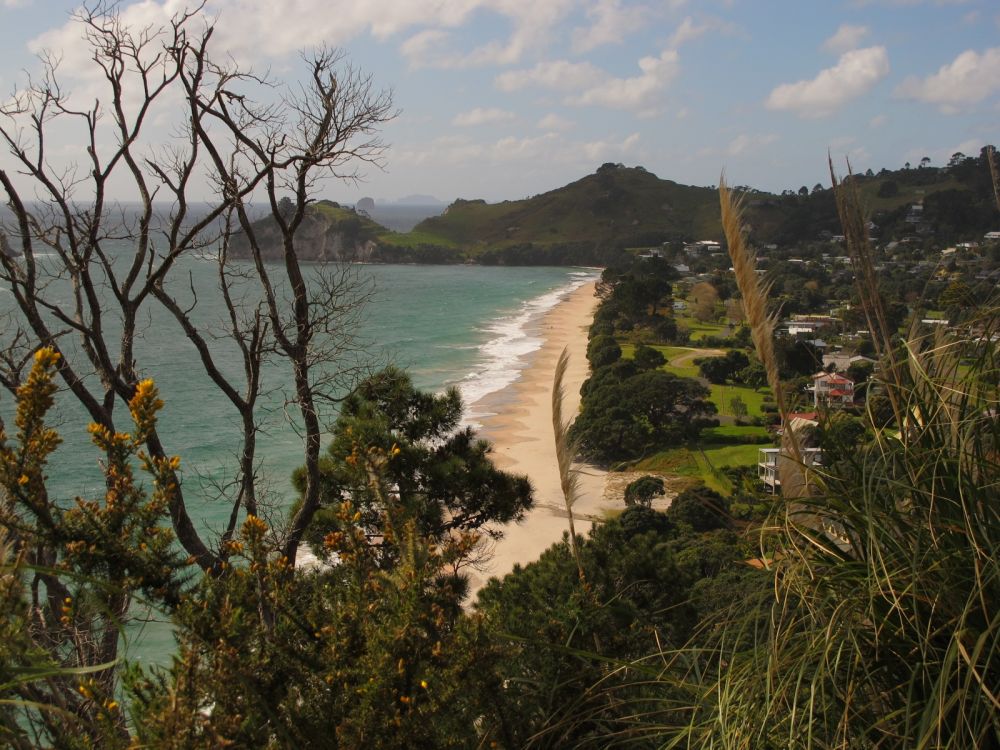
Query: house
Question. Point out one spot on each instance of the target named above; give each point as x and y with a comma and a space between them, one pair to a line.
703, 246
991, 236
831, 389
769, 460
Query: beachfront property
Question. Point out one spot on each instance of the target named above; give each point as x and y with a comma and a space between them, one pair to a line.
832, 390
769, 460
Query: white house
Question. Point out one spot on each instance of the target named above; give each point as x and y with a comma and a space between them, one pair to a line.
831, 389
769, 459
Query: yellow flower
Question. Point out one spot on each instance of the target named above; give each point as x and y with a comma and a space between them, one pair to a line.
423, 684
46, 356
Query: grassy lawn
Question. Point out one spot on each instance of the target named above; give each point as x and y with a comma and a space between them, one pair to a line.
723, 394
701, 330
701, 464
669, 353
732, 432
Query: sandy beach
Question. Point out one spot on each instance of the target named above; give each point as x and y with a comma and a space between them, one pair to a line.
521, 433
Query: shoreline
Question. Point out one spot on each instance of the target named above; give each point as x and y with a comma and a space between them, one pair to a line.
518, 422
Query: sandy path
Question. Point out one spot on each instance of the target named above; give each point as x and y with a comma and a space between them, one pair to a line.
521, 433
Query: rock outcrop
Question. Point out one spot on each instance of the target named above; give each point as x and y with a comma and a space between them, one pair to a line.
328, 233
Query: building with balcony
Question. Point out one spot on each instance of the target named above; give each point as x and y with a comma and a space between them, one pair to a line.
769, 461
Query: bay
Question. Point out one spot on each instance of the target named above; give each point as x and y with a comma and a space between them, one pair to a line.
472, 327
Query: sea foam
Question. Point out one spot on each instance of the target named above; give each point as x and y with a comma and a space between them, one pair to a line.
511, 340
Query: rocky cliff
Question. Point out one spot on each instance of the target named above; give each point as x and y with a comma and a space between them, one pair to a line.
328, 232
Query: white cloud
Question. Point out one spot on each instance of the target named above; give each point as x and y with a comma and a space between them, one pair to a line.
969, 78
592, 86
855, 74
610, 24
552, 148
423, 43
532, 23
846, 38
252, 30
688, 30
744, 142
641, 93
553, 121
554, 74
878, 121
482, 116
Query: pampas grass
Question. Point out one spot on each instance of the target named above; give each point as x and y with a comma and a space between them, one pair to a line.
566, 450
887, 633
755, 292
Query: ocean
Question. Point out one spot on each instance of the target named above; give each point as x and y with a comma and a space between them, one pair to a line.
472, 327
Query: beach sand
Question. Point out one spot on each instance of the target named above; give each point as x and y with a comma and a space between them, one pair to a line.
521, 433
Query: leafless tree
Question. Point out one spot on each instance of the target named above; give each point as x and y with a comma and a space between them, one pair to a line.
252, 142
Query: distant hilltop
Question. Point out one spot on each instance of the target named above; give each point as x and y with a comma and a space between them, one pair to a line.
595, 218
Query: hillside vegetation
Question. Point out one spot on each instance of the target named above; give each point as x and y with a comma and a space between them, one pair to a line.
595, 219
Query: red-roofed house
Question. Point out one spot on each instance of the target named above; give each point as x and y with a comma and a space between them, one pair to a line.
831, 389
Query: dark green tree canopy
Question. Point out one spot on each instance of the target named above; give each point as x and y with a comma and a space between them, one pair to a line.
441, 473
701, 508
643, 490
648, 358
627, 413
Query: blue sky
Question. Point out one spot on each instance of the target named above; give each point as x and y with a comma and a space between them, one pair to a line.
502, 99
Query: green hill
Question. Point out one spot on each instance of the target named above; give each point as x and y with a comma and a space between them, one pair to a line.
594, 219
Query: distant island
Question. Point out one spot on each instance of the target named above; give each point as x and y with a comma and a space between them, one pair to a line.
603, 215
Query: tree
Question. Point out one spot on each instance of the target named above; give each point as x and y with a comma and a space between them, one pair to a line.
704, 297
441, 476
720, 369
753, 375
625, 413
106, 270
699, 507
738, 407
956, 159
643, 490
87, 561
648, 358
603, 351
888, 189
925, 162
240, 149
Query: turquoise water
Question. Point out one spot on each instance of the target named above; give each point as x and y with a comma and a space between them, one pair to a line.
468, 326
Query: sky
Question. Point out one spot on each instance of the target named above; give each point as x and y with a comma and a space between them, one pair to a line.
503, 99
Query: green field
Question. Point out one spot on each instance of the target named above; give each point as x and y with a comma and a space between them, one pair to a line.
723, 394
699, 330
701, 464
732, 433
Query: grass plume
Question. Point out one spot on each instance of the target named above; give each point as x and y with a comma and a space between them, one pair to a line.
754, 291
566, 450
